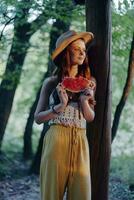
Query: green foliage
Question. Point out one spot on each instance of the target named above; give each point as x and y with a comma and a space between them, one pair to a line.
12, 166
118, 190
122, 166
35, 66
122, 6
122, 33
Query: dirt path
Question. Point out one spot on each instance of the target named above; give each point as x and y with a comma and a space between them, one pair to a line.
17, 185
19, 189
27, 188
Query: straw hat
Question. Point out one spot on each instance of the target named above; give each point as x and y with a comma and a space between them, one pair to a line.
66, 38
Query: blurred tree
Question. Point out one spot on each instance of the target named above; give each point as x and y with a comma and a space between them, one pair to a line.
98, 21
61, 25
126, 91
15, 61
23, 30
122, 32
80, 2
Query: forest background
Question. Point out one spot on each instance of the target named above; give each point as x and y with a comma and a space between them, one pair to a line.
36, 65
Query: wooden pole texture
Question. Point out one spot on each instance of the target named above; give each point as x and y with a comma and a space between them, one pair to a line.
98, 21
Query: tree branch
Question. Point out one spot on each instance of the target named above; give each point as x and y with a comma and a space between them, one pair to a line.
8, 22
6, 16
50, 12
126, 91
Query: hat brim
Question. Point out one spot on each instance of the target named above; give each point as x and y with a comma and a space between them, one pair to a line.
86, 36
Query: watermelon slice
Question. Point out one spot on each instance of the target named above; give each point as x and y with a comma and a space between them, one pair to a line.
77, 84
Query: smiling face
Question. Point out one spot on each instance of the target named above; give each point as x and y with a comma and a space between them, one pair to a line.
77, 51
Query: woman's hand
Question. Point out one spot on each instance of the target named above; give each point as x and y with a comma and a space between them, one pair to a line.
62, 94
87, 94
86, 100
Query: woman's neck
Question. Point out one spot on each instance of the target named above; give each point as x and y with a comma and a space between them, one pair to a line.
74, 70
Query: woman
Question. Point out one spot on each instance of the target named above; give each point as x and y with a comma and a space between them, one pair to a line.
65, 156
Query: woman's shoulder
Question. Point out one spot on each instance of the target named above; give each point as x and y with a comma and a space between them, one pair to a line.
48, 85
51, 80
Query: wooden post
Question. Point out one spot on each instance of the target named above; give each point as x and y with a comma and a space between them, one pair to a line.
98, 21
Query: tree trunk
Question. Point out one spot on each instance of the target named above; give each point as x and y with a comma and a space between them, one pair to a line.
126, 91
36, 162
22, 33
98, 21
79, 2
27, 150
53, 36
12, 74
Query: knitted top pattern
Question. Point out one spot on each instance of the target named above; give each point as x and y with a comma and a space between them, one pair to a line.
71, 116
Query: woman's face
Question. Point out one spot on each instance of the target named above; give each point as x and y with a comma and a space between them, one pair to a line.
77, 52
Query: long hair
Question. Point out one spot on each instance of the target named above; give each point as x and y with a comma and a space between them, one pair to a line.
63, 63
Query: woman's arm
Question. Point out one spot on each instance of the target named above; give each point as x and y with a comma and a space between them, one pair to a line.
87, 101
87, 111
46, 115
43, 113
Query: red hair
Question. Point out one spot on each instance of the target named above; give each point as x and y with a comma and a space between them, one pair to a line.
63, 62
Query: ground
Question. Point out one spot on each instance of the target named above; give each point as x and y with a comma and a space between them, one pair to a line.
16, 184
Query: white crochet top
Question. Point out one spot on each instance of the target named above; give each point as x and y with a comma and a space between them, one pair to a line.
71, 116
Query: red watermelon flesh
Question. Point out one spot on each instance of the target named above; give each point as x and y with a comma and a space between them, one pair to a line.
77, 84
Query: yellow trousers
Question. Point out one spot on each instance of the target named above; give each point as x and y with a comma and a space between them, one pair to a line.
65, 164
